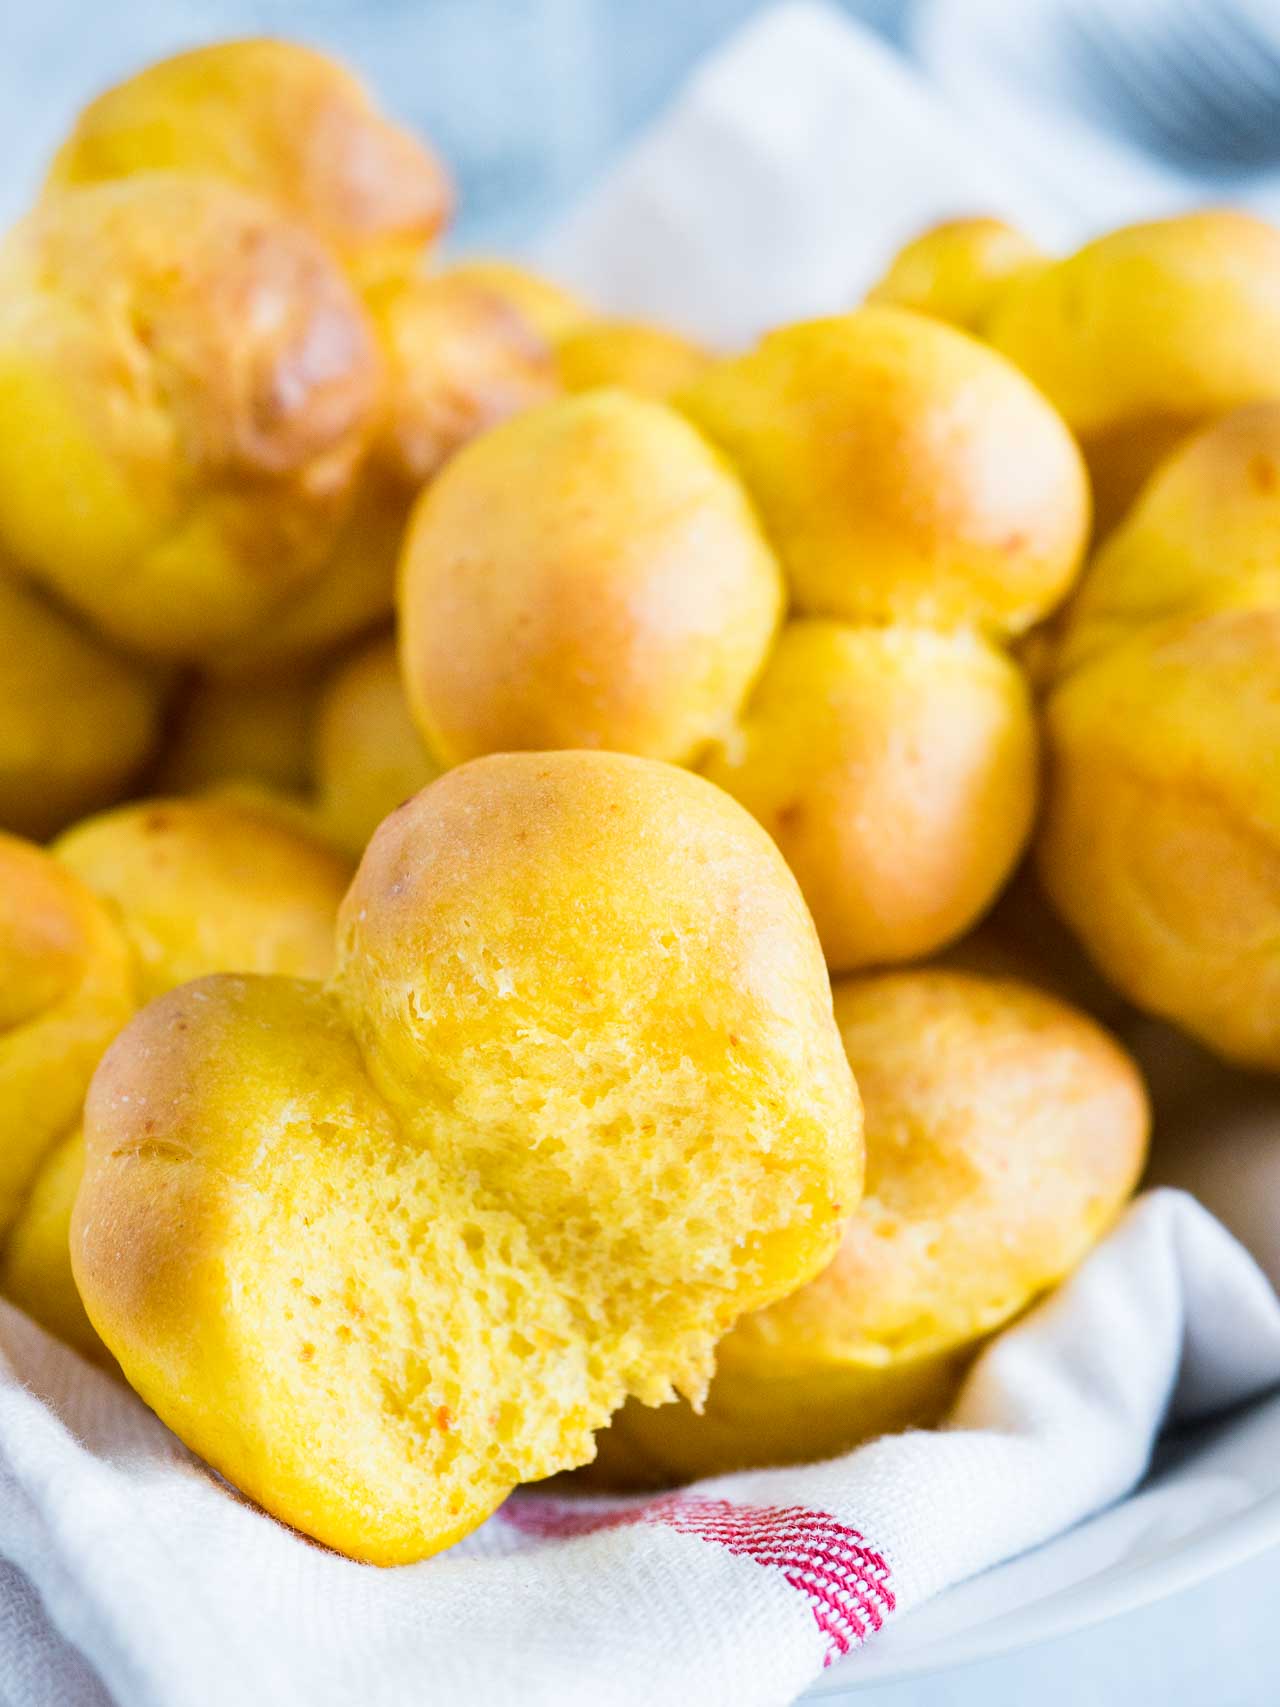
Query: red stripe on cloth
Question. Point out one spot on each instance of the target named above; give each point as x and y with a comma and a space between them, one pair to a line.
846, 1582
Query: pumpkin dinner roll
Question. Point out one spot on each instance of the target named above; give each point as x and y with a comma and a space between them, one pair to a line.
231, 731
552, 311
896, 769
1147, 333
650, 360
590, 350
383, 1248
903, 472
958, 270
332, 751
1004, 1131
1200, 538
208, 884
610, 571
461, 357
168, 890
1161, 838
368, 756
283, 121
349, 596
587, 575
188, 386
66, 987
78, 721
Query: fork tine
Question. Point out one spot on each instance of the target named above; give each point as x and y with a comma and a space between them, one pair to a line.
1241, 22
1194, 88
1120, 63
1235, 102
1221, 40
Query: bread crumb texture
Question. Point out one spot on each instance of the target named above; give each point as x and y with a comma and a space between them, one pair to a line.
573, 1101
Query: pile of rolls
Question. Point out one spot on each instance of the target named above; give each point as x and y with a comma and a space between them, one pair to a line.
570, 902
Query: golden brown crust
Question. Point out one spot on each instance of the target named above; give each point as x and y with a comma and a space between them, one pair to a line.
35, 1262
133, 902
1198, 539
958, 270
212, 883
595, 575
187, 389
369, 757
66, 987
896, 768
78, 721
588, 575
1161, 840
902, 471
283, 121
434, 1222
1161, 837
650, 360
1146, 333
552, 311
461, 358
1004, 1132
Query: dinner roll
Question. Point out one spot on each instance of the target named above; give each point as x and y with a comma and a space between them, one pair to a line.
610, 570
257, 731
1004, 1131
650, 360
1147, 333
210, 884
279, 119
896, 769
904, 473
460, 357
163, 891
187, 390
66, 987
78, 721
957, 270
368, 756
448, 1210
587, 575
1161, 837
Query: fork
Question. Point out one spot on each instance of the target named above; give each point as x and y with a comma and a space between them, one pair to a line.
1196, 79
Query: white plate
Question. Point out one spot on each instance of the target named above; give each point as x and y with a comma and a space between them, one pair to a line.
1211, 1502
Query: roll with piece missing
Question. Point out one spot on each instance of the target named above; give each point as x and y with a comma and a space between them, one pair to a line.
573, 1101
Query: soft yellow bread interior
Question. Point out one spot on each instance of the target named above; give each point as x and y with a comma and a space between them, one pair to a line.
1004, 1131
573, 1101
